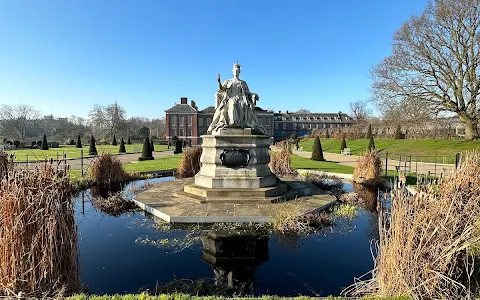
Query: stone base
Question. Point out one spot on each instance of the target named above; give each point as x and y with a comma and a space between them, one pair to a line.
200, 194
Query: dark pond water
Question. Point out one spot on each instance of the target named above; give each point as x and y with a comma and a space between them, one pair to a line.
133, 252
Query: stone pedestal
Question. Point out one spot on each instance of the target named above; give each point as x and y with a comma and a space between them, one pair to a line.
234, 168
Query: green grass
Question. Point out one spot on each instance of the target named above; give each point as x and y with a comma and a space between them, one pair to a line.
73, 152
345, 211
443, 149
189, 297
299, 162
164, 163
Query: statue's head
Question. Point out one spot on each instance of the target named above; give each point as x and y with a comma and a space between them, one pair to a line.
236, 69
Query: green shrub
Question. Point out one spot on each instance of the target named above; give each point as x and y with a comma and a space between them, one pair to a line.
371, 144
398, 133
79, 142
128, 141
71, 142
122, 147
92, 150
114, 141
344, 144
151, 145
146, 151
44, 143
369, 132
317, 152
16, 143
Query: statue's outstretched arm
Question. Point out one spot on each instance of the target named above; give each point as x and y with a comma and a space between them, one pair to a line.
220, 87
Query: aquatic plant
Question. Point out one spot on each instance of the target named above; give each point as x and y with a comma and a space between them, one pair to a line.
426, 241
290, 219
38, 237
107, 169
190, 164
368, 168
113, 205
345, 211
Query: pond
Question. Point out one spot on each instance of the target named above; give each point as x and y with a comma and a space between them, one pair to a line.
134, 252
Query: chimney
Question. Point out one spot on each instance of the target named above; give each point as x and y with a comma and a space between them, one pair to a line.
279, 111
193, 104
287, 111
183, 100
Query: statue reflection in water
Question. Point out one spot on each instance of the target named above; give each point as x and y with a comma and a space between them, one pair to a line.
234, 258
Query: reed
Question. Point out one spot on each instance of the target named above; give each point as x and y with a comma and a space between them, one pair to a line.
368, 169
38, 236
426, 241
190, 164
107, 169
289, 219
280, 162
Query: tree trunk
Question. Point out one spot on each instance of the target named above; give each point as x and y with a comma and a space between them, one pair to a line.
471, 127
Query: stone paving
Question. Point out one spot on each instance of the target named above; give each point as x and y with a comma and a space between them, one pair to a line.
160, 202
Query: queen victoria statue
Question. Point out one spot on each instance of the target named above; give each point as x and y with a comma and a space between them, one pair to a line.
235, 105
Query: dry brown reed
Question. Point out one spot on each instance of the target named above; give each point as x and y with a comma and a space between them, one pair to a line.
107, 169
368, 169
114, 205
38, 236
426, 241
289, 219
190, 164
280, 162
3, 164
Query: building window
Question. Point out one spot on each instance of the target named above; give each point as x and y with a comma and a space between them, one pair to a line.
209, 120
172, 122
189, 120
181, 120
172, 132
268, 122
200, 121
276, 125
180, 132
284, 126
309, 126
189, 131
261, 121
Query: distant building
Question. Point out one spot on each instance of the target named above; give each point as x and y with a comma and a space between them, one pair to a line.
188, 123
287, 123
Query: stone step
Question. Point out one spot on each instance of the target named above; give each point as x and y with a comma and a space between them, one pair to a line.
236, 200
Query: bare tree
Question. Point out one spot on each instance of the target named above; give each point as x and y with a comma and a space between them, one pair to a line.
158, 127
359, 110
435, 62
17, 120
108, 121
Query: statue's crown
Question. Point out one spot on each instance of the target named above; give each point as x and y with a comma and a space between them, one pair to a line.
236, 65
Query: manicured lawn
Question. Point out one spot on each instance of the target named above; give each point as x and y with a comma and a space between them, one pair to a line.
427, 150
299, 162
165, 163
73, 152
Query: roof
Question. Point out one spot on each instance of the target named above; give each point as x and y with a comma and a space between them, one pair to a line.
182, 109
211, 110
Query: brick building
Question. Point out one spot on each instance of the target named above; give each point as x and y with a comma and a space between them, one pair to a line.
287, 123
188, 123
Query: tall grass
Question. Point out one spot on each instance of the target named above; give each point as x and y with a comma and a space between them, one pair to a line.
3, 165
426, 241
368, 168
190, 164
280, 162
107, 169
38, 236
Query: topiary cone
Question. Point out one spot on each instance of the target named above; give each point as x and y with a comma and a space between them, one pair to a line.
92, 150
79, 142
146, 151
114, 141
44, 143
317, 152
122, 147
152, 146
369, 131
344, 144
371, 144
128, 141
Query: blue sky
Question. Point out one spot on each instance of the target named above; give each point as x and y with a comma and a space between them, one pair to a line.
64, 56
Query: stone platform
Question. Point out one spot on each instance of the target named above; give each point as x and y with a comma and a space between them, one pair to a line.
159, 200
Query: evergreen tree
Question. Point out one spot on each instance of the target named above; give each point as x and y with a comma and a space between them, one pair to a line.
92, 150
44, 143
128, 141
79, 142
317, 152
146, 151
327, 135
369, 132
371, 144
398, 133
122, 147
344, 144
114, 141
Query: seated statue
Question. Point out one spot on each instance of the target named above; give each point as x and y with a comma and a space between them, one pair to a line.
235, 105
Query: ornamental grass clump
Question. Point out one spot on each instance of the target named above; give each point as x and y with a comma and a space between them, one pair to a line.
38, 236
426, 241
190, 164
368, 169
107, 169
289, 219
280, 162
113, 205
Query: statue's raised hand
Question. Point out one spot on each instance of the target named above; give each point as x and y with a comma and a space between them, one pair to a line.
218, 76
